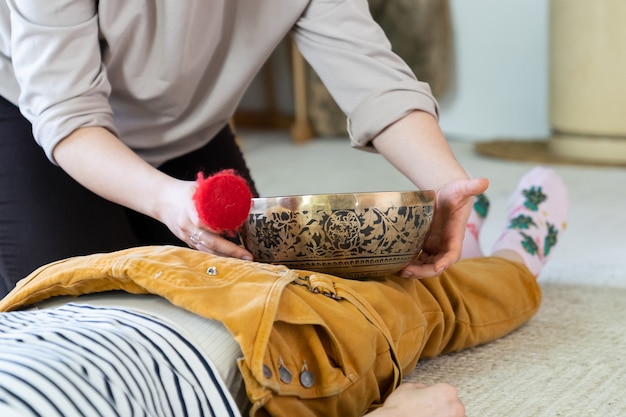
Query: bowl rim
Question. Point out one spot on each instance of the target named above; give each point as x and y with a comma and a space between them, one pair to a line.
345, 201
357, 193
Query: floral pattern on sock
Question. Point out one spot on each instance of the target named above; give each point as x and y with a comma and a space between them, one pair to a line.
522, 222
529, 244
481, 205
551, 239
536, 218
471, 245
534, 197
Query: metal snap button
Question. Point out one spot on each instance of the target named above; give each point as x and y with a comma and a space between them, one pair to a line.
211, 270
285, 374
306, 379
306, 376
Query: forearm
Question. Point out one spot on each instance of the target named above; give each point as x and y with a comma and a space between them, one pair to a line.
416, 146
100, 162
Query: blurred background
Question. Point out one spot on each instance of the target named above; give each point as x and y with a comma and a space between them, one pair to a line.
493, 72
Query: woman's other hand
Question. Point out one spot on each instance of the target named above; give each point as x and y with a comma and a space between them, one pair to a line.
445, 241
416, 146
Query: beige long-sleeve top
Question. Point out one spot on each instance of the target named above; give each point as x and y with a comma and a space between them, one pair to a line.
165, 76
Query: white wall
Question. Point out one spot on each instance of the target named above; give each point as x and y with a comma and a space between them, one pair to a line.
500, 85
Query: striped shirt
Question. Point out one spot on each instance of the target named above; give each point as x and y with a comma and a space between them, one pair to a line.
81, 360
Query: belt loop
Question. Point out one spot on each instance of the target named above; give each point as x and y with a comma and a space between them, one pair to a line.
319, 284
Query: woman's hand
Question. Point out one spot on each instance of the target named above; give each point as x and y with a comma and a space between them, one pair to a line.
179, 213
416, 146
419, 400
445, 241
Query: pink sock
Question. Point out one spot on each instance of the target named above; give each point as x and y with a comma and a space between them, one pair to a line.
471, 241
536, 218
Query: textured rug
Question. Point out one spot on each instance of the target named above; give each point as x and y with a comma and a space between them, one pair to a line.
568, 361
536, 151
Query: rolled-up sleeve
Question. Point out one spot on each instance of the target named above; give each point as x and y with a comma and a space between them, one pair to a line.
354, 59
57, 62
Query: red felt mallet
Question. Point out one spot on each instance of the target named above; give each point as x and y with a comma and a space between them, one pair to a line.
223, 201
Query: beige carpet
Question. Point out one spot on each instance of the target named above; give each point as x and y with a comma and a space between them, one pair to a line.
568, 361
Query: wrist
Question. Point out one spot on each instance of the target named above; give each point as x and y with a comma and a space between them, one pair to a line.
416, 146
168, 196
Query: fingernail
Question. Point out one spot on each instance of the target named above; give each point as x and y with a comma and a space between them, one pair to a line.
406, 275
246, 257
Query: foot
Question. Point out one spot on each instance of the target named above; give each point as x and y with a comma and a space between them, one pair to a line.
537, 217
471, 241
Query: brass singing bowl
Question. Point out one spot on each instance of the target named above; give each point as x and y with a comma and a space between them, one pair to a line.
355, 235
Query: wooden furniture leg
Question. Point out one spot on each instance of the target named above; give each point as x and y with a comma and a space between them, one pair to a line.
301, 130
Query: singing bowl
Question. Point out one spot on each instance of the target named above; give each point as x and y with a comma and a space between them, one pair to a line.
350, 235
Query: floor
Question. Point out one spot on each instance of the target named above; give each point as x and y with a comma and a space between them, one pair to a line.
592, 251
